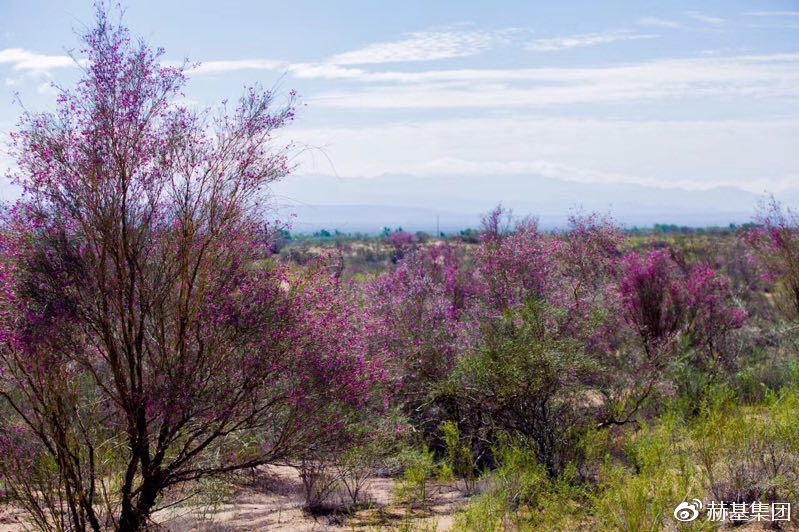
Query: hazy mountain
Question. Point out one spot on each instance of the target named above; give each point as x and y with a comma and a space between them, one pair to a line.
415, 203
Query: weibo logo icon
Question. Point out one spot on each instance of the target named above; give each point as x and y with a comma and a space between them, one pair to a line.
687, 511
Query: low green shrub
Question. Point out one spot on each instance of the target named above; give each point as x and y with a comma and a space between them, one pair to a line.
641, 495
459, 461
521, 495
418, 468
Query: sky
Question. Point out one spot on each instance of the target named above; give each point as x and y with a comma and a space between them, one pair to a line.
680, 95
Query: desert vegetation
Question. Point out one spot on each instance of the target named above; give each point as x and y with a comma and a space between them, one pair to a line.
163, 344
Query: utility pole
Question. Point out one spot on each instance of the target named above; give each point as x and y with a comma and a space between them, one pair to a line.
438, 227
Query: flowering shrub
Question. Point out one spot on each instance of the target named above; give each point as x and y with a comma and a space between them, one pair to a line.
401, 243
713, 314
775, 245
343, 384
653, 298
660, 299
146, 340
514, 267
663, 311
570, 271
418, 315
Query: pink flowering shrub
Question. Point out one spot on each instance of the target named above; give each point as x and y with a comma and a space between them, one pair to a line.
653, 298
775, 252
712, 313
442, 307
344, 383
515, 266
661, 299
146, 339
401, 243
664, 312
570, 271
419, 320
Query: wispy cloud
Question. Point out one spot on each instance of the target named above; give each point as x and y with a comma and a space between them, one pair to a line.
772, 13
21, 59
326, 71
220, 67
702, 17
657, 22
581, 41
745, 76
418, 46
423, 46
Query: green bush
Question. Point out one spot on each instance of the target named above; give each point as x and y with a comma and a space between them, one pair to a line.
522, 495
489, 512
643, 495
459, 461
750, 452
418, 468
526, 381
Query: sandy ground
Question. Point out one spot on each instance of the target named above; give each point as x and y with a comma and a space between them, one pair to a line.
271, 499
274, 502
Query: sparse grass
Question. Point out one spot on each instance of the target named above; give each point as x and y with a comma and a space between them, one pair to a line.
730, 451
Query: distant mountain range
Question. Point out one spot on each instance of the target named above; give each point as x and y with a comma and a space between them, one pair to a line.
454, 203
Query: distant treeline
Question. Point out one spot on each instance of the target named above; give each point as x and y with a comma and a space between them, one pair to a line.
472, 234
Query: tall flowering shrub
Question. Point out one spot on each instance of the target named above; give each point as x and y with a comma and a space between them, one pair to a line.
401, 243
513, 264
662, 299
713, 314
542, 301
419, 313
588, 260
653, 298
344, 383
664, 309
568, 270
343, 396
145, 339
775, 251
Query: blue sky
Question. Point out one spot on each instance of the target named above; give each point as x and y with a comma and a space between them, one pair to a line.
692, 95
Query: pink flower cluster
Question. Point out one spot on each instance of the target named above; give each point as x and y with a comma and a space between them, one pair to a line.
437, 304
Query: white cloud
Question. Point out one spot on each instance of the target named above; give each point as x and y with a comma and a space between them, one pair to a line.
46, 88
221, 67
419, 46
21, 59
423, 46
755, 155
745, 76
326, 71
581, 41
701, 17
772, 13
657, 22
25, 60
